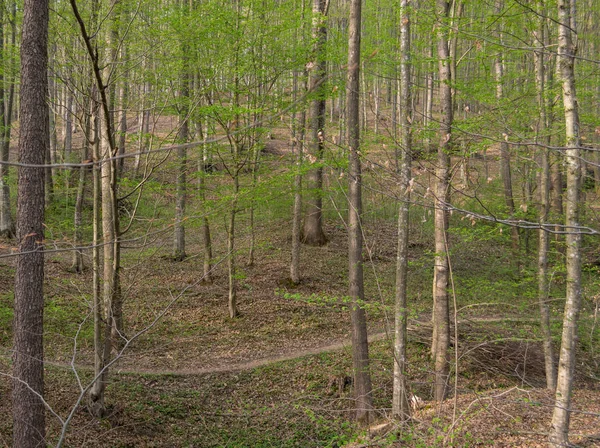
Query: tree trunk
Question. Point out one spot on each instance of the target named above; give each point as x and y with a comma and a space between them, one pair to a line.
207, 261
232, 300
441, 312
298, 134
544, 237
102, 343
7, 226
313, 233
559, 431
428, 108
400, 406
505, 170
77, 264
28, 355
68, 122
144, 129
112, 320
123, 100
360, 346
180, 197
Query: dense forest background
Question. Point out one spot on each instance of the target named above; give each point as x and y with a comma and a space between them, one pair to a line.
296, 223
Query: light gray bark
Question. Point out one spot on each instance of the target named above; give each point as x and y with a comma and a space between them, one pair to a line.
544, 237
179, 253
7, 225
559, 431
231, 258
298, 127
400, 405
77, 264
206, 240
505, 169
441, 312
110, 323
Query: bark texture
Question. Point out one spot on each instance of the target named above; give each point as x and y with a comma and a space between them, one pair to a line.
544, 187
298, 144
400, 406
312, 233
559, 431
441, 312
28, 356
360, 345
505, 168
179, 253
7, 225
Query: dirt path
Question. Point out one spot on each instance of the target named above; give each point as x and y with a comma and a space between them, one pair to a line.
232, 367
330, 346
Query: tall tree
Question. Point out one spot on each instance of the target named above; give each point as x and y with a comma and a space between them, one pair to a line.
540, 36
567, 48
441, 313
182, 137
108, 328
7, 226
400, 407
505, 169
28, 357
298, 132
360, 345
312, 232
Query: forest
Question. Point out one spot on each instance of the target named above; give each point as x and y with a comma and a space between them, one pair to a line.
299, 223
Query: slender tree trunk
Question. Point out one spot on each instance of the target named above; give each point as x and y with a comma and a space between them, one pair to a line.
207, 260
113, 319
360, 346
28, 356
428, 116
255, 165
400, 406
505, 170
376, 100
102, 342
456, 10
52, 150
144, 129
298, 132
68, 123
544, 237
182, 137
232, 301
77, 264
566, 367
7, 225
313, 233
124, 100
179, 253
441, 311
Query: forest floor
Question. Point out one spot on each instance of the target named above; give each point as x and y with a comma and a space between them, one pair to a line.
275, 376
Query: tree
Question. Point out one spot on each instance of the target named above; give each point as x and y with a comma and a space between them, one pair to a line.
7, 226
108, 323
312, 232
28, 357
360, 345
544, 105
400, 407
559, 432
182, 137
505, 169
441, 314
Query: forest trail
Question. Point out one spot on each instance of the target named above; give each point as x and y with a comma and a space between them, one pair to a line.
419, 328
